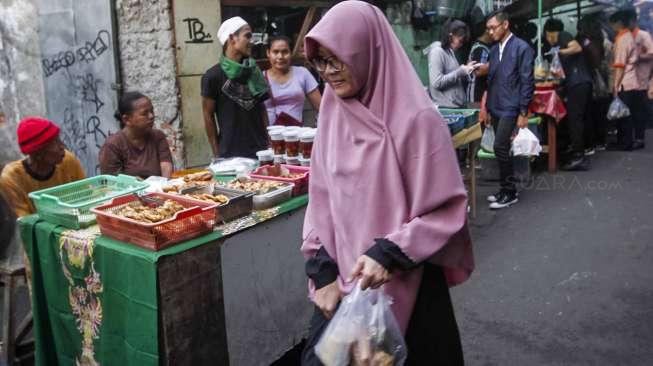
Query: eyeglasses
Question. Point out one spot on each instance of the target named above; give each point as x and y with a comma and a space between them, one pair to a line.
321, 64
492, 28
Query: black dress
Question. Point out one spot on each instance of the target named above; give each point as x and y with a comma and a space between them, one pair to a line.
432, 336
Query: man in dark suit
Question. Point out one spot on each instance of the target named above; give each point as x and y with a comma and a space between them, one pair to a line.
510, 91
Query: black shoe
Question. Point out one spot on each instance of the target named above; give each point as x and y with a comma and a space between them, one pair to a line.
577, 163
638, 145
507, 199
620, 147
495, 197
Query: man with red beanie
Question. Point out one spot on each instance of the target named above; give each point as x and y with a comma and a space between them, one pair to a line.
47, 164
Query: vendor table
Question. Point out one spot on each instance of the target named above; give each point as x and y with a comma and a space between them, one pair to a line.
468, 137
236, 296
547, 103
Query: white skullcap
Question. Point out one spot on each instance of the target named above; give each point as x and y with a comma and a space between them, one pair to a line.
229, 27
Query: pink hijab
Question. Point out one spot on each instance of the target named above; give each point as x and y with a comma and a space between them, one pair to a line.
384, 164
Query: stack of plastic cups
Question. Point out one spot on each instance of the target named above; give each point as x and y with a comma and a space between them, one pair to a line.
306, 146
276, 139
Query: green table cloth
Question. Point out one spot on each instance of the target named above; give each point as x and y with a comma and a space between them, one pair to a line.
95, 299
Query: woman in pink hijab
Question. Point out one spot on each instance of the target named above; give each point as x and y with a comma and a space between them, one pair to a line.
387, 205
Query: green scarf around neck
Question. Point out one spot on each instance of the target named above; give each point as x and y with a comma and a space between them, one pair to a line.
246, 71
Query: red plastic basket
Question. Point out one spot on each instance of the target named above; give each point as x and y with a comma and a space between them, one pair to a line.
198, 219
301, 183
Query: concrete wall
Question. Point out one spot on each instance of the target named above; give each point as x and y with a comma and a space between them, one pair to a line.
21, 81
196, 24
147, 62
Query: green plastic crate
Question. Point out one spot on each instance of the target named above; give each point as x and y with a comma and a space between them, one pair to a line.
471, 115
70, 204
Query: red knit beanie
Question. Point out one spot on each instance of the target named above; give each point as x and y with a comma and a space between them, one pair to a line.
34, 132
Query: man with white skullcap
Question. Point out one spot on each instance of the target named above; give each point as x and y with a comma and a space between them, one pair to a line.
234, 91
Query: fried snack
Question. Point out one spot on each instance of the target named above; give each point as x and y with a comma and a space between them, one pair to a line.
277, 171
362, 352
137, 211
199, 176
171, 189
258, 186
221, 198
382, 359
540, 72
293, 175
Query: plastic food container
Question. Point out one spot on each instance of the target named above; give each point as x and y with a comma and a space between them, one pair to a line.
197, 219
293, 160
304, 162
240, 203
70, 204
279, 159
300, 183
306, 143
291, 140
262, 201
273, 198
265, 157
277, 143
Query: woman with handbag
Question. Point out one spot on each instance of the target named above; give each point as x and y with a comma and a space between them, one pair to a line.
289, 85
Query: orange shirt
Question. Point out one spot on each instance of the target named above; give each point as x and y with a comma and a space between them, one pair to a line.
643, 68
17, 183
625, 57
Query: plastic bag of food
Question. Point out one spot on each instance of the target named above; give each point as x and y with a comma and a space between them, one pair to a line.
364, 332
233, 166
557, 72
526, 144
487, 141
541, 69
618, 109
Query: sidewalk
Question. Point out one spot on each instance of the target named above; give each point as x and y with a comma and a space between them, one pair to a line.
565, 277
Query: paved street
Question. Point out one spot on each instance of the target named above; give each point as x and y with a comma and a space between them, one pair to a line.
566, 276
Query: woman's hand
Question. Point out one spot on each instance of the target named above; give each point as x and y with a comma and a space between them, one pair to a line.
470, 67
370, 272
327, 299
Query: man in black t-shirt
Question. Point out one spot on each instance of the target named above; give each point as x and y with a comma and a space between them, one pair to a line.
577, 86
234, 91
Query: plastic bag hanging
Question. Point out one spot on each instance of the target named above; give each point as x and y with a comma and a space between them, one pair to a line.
557, 72
487, 141
618, 110
541, 69
363, 331
526, 144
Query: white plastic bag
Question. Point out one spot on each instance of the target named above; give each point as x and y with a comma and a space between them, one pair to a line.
487, 141
233, 166
618, 110
364, 331
156, 184
526, 144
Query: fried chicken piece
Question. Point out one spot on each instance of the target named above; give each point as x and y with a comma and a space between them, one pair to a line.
382, 359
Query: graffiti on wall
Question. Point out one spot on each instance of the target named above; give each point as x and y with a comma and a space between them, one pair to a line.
79, 93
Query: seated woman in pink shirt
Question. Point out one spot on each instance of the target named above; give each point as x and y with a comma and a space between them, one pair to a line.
289, 85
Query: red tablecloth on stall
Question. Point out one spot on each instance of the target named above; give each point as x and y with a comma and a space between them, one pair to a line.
547, 101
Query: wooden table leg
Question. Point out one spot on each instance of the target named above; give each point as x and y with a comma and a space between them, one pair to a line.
553, 149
